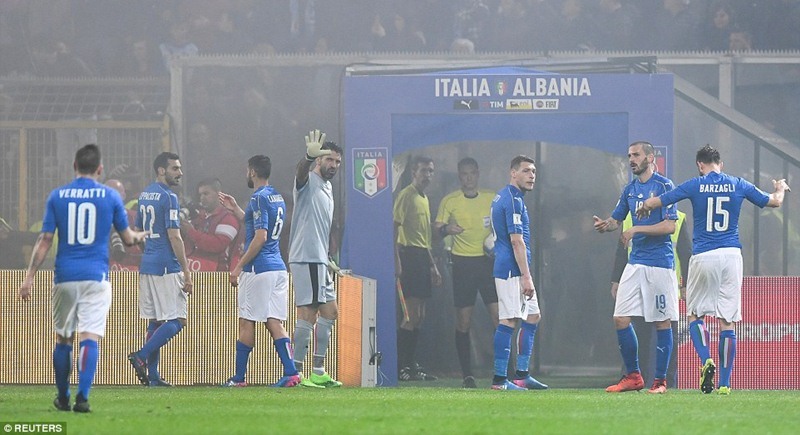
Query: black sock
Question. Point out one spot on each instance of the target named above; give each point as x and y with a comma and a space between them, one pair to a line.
463, 351
403, 340
412, 347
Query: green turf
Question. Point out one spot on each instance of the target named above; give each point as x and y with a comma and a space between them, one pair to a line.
139, 410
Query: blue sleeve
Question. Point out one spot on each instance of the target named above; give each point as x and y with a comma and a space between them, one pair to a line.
753, 193
120, 214
514, 216
680, 192
670, 212
621, 210
49, 219
173, 219
261, 219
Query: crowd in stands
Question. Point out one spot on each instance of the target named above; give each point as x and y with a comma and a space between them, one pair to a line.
132, 38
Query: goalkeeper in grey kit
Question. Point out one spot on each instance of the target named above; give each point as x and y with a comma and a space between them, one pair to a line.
309, 243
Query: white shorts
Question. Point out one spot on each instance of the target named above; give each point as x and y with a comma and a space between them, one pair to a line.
511, 303
649, 292
264, 295
161, 297
714, 285
311, 284
81, 306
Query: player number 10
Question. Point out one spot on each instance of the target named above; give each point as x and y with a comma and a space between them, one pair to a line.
81, 222
715, 209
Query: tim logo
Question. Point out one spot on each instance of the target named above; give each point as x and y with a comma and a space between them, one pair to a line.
369, 170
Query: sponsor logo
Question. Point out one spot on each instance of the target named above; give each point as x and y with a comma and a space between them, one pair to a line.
519, 104
501, 88
465, 105
370, 174
548, 104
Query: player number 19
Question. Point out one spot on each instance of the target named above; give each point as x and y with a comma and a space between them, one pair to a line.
81, 222
715, 209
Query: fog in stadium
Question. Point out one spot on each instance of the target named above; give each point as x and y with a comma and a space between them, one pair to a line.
220, 81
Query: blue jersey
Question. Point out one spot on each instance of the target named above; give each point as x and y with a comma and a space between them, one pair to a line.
265, 212
653, 251
83, 212
716, 203
509, 216
158, 212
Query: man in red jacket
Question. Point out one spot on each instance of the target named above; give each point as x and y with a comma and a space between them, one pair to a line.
209, 237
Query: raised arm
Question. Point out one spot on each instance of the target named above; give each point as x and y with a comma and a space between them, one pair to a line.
776, 197
229, 202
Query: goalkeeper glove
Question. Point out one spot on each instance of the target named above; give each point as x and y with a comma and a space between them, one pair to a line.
314, 141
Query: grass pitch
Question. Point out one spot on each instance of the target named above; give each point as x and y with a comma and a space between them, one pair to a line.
251, 410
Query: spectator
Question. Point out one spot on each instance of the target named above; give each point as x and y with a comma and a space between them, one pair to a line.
179, 43
510, 27
675, 27
575, 28
740, 41
617, 29
140, 60
718, 27
472, 21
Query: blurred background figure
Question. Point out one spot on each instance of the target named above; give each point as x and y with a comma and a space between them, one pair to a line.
210, 230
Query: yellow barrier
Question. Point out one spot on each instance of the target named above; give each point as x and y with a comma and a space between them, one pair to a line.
203, 353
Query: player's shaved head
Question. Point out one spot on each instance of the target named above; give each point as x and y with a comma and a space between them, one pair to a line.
647, 147
116, 185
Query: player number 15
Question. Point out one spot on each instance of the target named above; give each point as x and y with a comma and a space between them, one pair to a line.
715, 209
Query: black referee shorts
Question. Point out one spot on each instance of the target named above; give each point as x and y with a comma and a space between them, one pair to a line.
416, 276
470, 276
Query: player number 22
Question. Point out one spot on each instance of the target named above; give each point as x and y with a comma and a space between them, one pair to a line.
715, 209
81, 223
148, 213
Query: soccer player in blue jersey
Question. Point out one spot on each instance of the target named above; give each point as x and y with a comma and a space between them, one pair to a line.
261, 273
164, 279
83, 213
715, 269
516, 295
648, 287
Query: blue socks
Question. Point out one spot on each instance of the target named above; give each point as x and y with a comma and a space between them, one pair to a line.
62, 365
700, 339
525, 347
155, 356
629, 348
242, 355
284, 348
663, 352
727, 353
502, 352
87, 366
161, 336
